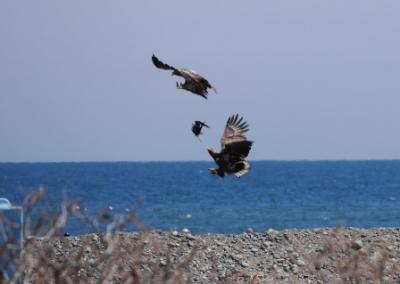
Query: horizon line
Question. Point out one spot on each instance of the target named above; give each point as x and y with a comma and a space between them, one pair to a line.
199, 161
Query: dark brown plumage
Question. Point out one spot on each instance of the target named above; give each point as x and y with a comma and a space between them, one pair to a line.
194, 82
234, 149
197, 126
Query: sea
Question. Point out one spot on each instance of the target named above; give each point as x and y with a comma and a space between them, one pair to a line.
183, 195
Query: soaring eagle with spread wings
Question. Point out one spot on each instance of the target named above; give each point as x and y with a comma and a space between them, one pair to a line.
194, 82
234, 149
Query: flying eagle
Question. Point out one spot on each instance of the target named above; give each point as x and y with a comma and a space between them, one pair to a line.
234, 149
197, 127
194, 82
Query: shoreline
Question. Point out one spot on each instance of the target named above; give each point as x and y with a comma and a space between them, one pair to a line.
322, 255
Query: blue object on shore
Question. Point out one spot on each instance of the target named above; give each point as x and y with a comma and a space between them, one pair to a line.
275, 194
14, 215
11, 235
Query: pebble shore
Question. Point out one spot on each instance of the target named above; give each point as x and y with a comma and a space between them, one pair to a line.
331, 255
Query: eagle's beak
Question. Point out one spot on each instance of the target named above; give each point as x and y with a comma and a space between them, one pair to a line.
212, 171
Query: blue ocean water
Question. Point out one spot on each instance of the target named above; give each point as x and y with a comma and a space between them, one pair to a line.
176, 195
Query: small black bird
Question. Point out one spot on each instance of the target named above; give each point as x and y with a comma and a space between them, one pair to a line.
197, 126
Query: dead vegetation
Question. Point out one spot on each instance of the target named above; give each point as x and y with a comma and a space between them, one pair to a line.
44, 259
111, 256
352, 261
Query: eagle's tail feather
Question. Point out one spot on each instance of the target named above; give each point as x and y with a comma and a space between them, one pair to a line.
244, 167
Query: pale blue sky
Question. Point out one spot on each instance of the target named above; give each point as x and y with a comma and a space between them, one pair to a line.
315, 79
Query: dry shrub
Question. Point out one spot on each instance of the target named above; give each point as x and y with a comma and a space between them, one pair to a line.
350, 262
110, 256
49, 257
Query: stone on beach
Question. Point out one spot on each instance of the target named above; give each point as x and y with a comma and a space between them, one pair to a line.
290, 256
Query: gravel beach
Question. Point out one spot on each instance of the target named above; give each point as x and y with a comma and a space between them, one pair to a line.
334, 255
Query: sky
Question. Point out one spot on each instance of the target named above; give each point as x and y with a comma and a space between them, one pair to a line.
316, 80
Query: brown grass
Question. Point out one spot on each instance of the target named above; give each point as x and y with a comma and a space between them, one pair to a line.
110, 257
36, 264
368, 264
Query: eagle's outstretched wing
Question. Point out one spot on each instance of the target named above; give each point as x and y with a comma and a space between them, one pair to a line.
234, 142
235, 130
161, 65
238, 150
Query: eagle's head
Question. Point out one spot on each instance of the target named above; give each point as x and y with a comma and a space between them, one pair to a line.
219, 172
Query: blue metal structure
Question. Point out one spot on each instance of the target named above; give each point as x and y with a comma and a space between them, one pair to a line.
11, 235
